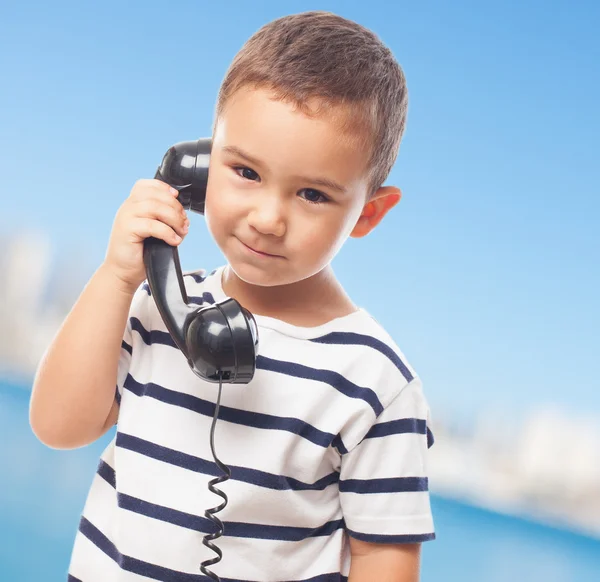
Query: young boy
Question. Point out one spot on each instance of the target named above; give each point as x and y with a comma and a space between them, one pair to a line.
328, 442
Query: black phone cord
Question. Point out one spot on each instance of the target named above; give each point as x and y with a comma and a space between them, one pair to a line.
210, 513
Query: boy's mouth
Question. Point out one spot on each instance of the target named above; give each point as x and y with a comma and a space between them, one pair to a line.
259, 253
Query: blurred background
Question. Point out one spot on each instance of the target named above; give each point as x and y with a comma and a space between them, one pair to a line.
486, 274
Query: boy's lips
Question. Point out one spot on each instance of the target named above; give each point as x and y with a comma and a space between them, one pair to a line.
257, 252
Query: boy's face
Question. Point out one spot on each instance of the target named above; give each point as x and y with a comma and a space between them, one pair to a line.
264, 191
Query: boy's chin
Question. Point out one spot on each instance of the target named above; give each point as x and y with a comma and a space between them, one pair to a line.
261, 276
266, 276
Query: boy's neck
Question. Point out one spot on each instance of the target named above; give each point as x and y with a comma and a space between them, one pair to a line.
307, 303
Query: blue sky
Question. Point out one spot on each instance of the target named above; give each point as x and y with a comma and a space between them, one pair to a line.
486, 274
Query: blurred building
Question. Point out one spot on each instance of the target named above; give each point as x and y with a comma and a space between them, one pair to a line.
29, 314
547, 468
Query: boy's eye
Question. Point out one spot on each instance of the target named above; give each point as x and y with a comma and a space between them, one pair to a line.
246, 173
314, 196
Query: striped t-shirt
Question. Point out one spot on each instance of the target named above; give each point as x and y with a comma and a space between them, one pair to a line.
329, 439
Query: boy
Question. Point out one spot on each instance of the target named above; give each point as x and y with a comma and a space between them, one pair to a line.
328, 442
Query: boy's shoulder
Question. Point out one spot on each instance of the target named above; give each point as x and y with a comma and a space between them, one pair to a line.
382, 350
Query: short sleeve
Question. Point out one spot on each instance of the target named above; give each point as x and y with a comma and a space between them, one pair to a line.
138, 303
384, 486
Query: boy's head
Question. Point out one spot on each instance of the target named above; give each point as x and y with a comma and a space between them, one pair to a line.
309, 96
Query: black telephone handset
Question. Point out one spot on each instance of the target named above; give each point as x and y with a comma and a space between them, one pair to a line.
220, 341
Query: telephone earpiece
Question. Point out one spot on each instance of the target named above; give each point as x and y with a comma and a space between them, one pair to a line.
219, 341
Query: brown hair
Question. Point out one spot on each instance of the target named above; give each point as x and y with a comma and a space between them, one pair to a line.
321, 55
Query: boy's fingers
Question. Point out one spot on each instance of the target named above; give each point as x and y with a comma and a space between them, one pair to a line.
143, 186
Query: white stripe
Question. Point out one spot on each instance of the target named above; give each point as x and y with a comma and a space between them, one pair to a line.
402, 457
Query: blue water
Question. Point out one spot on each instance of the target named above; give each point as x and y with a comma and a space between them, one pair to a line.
43, 491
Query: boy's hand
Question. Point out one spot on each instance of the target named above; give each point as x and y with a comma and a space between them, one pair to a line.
152, 209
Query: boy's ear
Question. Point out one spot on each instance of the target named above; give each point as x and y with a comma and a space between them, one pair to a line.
383, 200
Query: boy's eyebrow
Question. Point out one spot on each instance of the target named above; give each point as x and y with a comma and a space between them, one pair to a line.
326, 182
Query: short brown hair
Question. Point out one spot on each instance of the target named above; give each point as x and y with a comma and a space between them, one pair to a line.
318, 54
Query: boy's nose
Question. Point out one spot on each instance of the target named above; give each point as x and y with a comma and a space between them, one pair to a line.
267, 217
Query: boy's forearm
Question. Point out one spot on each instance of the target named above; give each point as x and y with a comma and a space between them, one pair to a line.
369, 570
387, 563
75, 383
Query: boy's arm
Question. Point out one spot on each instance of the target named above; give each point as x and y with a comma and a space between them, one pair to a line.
73, 398
384, 562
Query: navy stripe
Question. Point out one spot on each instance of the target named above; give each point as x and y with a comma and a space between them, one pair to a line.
231, 528
430, 439
339, 445
155, 572
166, 514
199, 465
392, 539
330, 377
107, 473
350, 338
118, 395
400, 426
283, 533
127, 347
229, 414
72, 578
151, 337
386, 485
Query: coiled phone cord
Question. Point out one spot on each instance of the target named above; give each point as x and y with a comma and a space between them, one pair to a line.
210, 513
